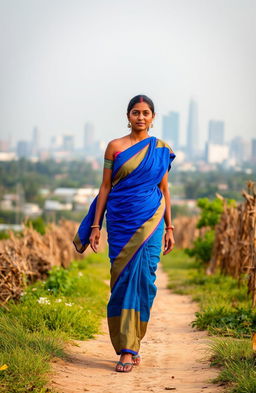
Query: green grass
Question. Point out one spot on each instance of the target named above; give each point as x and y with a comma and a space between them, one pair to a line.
224, 310
68, 305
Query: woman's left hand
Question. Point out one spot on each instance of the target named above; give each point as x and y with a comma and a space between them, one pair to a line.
168, 241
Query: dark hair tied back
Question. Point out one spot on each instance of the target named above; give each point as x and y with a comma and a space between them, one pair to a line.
140, 98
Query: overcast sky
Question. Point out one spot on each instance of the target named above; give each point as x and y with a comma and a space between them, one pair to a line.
65, 62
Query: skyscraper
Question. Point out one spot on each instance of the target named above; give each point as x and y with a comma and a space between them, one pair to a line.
68, 142
89, 132
170, 129
35, 142
216, 132
192, 130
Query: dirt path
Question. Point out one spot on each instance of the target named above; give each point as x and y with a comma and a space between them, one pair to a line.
173, 355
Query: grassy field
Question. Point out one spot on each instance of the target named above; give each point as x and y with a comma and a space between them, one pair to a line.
68, 305
225, 312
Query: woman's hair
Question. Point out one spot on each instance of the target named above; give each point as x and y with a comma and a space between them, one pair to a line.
140, 98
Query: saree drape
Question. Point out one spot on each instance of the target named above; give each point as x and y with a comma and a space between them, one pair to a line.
135, 219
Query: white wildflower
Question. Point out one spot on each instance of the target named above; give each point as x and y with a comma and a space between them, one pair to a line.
34, 289
69, 304
43, 300
80, 274
58, 300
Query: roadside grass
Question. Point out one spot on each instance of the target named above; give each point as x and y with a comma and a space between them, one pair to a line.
224, 310
68, 305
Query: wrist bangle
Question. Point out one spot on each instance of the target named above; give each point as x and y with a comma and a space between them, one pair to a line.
170, 227
95, 226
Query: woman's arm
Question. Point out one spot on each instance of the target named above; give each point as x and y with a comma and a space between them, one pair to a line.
168, 237
102, 198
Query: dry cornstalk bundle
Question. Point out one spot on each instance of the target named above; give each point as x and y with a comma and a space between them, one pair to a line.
29, 257
235, 240
186, 231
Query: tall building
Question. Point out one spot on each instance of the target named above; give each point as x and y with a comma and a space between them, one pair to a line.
23, 149
89, 133
170, 129
68, 142
192, 130
35, 142
240, 149
216, 153
216, 132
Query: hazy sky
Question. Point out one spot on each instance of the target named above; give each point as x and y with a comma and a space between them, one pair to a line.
65, 62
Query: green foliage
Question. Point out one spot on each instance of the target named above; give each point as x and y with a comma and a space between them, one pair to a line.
68, 305
238, 363
202, 247
210, 211
221, 320
38, 224
59, 281
225, 310
4, 235
210, 215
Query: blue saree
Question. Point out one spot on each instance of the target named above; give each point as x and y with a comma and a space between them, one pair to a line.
135, 221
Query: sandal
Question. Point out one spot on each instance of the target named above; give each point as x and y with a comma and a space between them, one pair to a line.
129, 369
136, 357
124, 364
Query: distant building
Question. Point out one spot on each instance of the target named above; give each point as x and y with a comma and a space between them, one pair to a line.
192, 130
216, 132
240, 149
216, 153
23, 149
253, 157
8, 156
170, 129
89, 133
56, 142
68, 142
53, 205
4, 145
35, 142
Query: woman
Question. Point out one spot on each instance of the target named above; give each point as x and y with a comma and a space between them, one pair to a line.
134, 192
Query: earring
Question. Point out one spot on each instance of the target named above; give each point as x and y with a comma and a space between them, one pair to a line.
151, 125
129, 125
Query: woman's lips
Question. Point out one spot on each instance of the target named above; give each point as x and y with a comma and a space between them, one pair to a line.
141, 124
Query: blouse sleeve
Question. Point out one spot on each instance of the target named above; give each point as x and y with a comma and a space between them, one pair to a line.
171, 157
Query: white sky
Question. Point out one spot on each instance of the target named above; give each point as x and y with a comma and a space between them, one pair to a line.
65, 62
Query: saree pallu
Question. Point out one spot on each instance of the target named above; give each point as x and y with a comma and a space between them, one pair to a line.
135, 219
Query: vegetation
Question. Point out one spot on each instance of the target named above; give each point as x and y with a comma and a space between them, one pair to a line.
68, 305
210, 216
225, 310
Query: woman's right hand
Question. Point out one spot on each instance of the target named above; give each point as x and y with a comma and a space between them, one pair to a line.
94, 239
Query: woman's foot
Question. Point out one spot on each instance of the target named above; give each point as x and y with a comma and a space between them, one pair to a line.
136, 359
125, 363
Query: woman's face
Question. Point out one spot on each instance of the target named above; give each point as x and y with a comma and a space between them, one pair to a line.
140, 116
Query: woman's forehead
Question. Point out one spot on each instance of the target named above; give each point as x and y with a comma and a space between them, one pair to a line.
141, 106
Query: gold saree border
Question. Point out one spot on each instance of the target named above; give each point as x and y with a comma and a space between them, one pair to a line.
131, 164
127, 330
135, 242
161, 143
78, 245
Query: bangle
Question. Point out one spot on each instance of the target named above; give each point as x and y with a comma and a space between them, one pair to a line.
95, 226
170, 227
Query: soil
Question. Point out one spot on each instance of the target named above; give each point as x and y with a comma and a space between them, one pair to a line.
173, 355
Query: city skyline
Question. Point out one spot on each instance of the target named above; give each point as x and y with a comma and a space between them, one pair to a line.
64, 64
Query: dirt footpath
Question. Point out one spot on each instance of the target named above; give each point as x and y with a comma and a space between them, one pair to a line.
173, 355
